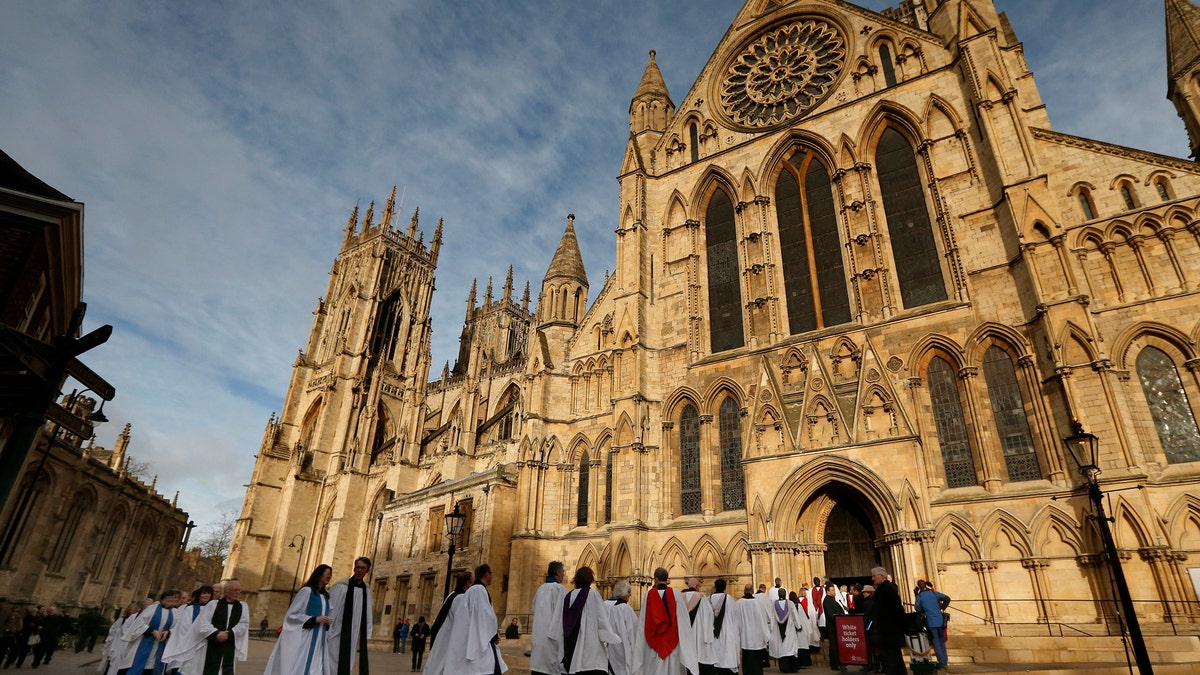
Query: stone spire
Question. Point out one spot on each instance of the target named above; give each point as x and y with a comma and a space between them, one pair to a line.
508, 287
525, 298
1183, 65
568, 262
389, 210
369, 218
436, 244
651, 108
487, 294
412, 226
119, 448
351, 226
471, 299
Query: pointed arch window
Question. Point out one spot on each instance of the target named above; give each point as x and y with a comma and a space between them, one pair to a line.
1008, 408
733, 489
814, 277
1161, 186
608, 487
66, 534
387, 327
689, 460
724, 278
581, 511
1169, 406
951, 424
694, 139
918, 267
885, 63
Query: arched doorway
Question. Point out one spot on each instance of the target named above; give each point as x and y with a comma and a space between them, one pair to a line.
850, 550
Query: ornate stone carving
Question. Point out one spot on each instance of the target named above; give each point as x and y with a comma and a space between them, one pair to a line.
783, 73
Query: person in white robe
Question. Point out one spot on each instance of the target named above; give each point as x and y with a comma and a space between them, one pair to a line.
581, 631
725, 645
754, 631
300, 649
662, 630
452, 612
146, 635
701, 628
350, 607
218, 638
624, 658
765, 601
114, 646
472, 632
546, 602
185, 616
784, 638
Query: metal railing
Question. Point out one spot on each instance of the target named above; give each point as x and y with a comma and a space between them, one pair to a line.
1069, 617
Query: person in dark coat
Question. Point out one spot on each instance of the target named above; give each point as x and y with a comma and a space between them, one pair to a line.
832, 608
418, 634
886, 619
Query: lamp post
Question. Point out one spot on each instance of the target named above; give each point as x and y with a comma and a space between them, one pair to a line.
299, 557
454, 525
1083, 449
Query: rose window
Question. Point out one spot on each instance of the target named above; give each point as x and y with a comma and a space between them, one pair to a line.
783, 73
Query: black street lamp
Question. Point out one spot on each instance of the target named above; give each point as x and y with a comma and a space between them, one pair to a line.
299, 557
1084, 449
454, 524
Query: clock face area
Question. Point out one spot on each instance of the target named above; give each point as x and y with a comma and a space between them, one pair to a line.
782, 72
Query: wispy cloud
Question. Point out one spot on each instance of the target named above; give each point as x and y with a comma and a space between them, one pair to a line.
219, 148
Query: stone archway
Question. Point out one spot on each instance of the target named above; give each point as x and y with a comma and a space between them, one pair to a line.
850, 549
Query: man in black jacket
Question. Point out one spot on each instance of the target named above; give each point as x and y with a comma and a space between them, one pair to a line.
886, 619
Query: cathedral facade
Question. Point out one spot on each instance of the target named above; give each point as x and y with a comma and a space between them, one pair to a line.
862, 292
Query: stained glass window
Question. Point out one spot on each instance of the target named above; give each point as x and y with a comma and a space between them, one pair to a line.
1169, 406
918, 268
585, 469
1008, 407
951, 424
724, 275
733, 489
813, 273
689, 460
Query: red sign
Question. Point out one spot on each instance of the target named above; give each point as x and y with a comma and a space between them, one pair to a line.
851, 635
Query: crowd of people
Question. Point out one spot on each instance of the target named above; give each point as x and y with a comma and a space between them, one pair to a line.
685, 631
37, 632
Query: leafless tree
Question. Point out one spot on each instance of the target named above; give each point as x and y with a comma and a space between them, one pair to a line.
215, 537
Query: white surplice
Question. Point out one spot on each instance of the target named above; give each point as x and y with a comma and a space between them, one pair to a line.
594, 633
300, 650
624, 658
337, 604
684, 655
191, 650
134, 631
726, 647
701, 628
446, 655
467, 637
784, 637
184, 618
754, 631
546, 601
110, 653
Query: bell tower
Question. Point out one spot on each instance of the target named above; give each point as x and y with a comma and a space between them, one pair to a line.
349, 431
1183, 66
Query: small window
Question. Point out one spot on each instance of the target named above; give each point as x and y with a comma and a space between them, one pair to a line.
885, 62
1128, 197
1161, 186
694, 134
608, 487
585, 468
1085, 203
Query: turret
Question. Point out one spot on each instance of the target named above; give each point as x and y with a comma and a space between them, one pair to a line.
651, 109
508, 287
1183, 66
119, 448
564, 289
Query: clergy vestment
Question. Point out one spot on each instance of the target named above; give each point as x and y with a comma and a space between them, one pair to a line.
142, 651
582, 631
785, 640
662, 633
110, 653
446, 655
184, 618
700, 627
725, 645
350, 607
754, 633
624, 658
547, 602
302, 643
218, 616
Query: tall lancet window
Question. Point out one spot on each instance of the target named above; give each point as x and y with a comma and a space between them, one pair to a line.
1008, 407
733, 488
608, 487
1169, 405
724, 277
885, 64
689, 460
581, 511
918, 268
814, 277
951, 424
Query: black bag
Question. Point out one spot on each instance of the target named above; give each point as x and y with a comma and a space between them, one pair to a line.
914, 622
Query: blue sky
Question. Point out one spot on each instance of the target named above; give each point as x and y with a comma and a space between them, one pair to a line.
220, 146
